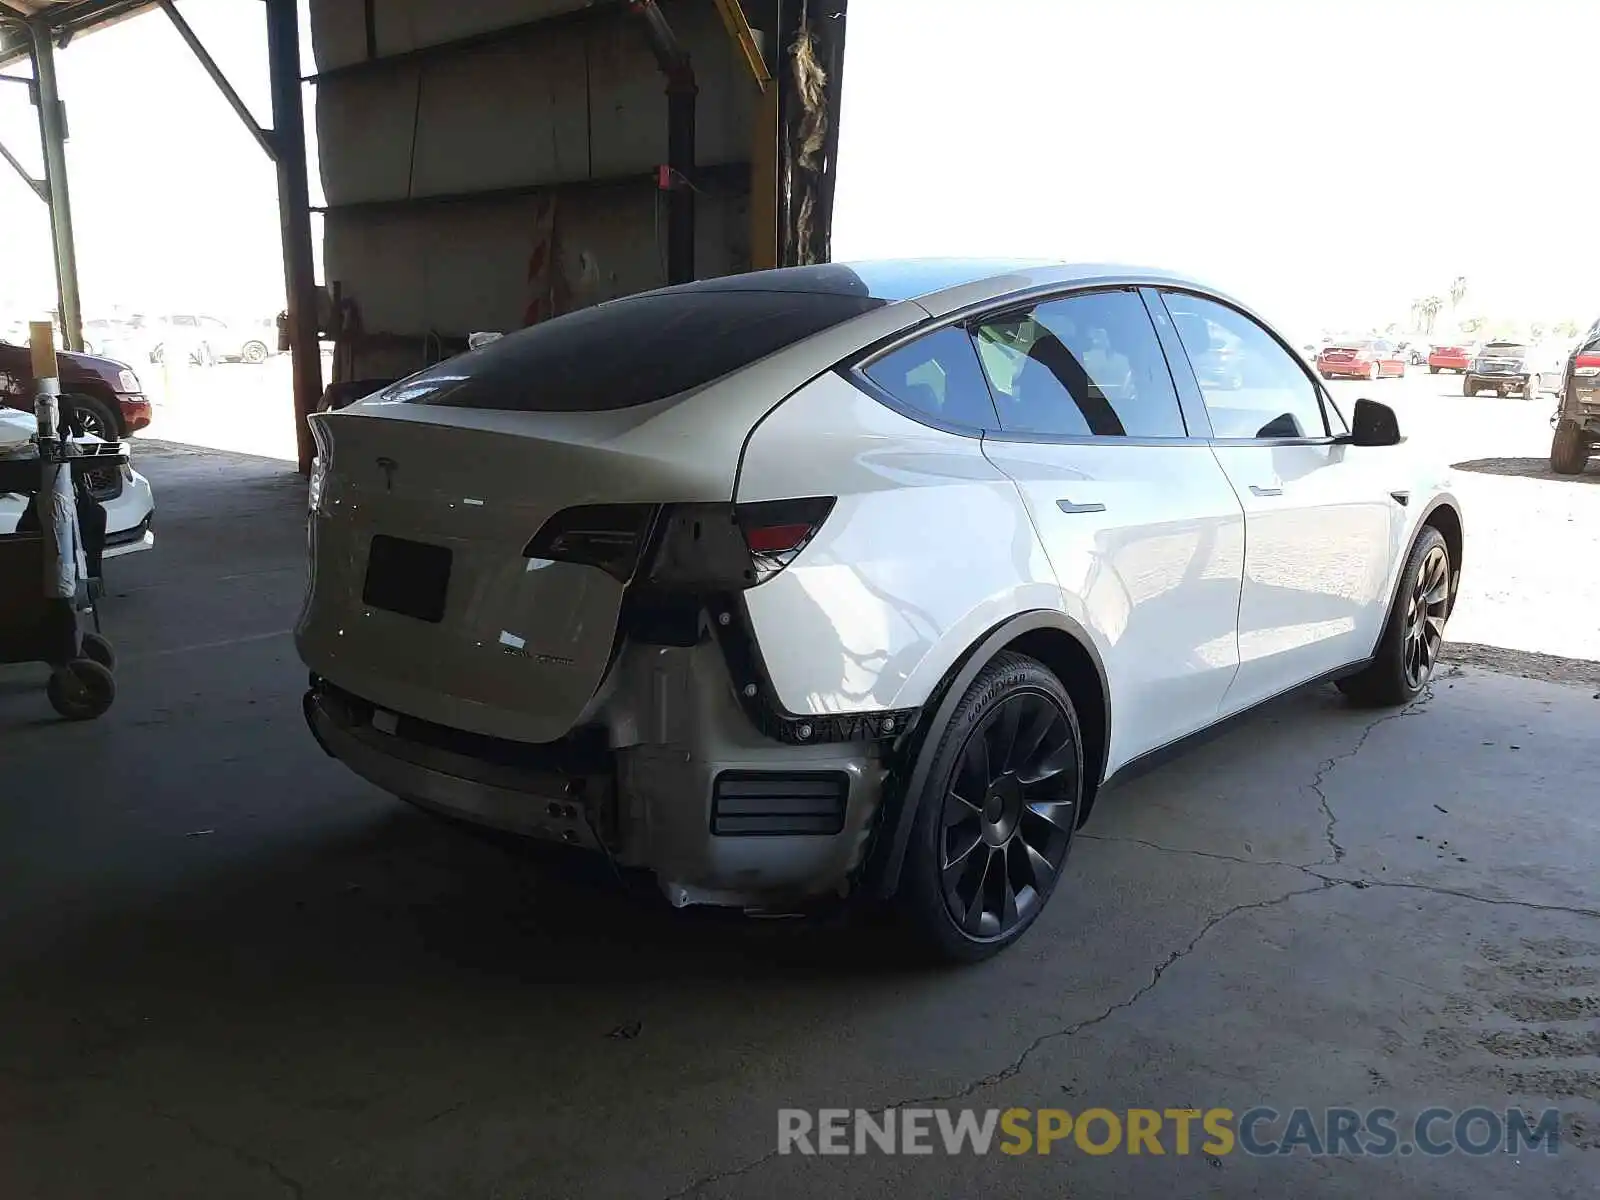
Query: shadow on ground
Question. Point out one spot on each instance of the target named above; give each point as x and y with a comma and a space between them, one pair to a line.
1524, 468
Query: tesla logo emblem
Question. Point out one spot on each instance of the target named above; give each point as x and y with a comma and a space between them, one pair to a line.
388, 466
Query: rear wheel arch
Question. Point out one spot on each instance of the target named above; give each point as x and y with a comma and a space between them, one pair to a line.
1446, 518
1048, 636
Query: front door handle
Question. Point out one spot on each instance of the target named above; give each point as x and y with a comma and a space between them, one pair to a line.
1067, 506
1261, 491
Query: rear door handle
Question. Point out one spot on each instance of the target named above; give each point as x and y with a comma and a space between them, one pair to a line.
1067, 506
1261, 491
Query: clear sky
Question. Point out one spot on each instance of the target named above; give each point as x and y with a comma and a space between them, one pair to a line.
1327, 160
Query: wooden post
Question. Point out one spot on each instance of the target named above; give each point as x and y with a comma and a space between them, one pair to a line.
46, 380
764, 182
42, 343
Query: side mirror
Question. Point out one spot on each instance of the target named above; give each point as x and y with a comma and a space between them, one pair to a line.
1374, 424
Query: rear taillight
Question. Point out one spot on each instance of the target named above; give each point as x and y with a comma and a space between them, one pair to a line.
777, 530
695, 547
1586, 365
725, 547
609, 536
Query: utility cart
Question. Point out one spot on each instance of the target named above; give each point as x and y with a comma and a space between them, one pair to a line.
49, 568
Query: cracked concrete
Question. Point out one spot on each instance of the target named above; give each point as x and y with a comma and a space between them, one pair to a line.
331, 995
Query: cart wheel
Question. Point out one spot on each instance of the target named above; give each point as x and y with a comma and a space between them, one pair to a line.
98, 649
82, 690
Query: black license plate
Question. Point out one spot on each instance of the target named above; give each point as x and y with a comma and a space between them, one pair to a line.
409, 578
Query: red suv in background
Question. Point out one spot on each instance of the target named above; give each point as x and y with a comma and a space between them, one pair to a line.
110, 402
1455, 358
1363, 358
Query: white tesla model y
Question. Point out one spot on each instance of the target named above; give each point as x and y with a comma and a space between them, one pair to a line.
854, 578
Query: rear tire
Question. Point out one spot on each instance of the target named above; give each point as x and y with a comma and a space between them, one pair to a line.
1432, 370
1569, 449
1408, 652
997, 815
1469, 388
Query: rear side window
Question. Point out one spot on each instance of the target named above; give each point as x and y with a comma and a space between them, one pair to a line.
937, 376
1081, 366
628, 352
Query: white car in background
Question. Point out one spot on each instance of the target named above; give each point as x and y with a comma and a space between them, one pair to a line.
122, 492
854, 578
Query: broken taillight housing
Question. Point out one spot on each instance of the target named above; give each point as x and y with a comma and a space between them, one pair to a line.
609, 536
775, 531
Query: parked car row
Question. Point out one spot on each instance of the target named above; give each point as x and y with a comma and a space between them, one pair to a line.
202, 339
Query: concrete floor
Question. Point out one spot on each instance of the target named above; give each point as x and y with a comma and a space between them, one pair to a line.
230, 969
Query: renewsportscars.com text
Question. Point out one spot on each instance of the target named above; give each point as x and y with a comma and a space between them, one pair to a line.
1214, 1132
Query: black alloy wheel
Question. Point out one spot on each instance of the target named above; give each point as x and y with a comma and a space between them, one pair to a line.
998, 812
1008, 814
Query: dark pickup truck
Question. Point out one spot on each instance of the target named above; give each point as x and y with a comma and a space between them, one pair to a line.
109, 400
1577, 416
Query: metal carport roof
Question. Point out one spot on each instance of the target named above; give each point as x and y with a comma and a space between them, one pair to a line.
64, 18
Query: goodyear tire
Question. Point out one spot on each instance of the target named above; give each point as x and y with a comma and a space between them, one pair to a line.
997, 815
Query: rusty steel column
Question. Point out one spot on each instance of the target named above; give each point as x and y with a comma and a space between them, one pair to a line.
294, 213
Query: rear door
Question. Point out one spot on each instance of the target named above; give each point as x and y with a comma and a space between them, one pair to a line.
1321, 522
1136, 516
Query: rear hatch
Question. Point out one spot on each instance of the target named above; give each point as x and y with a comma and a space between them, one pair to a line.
474, 527
1341, 353
1500, 357
428, 590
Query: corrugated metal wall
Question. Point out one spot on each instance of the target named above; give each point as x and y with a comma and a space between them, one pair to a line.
447, 131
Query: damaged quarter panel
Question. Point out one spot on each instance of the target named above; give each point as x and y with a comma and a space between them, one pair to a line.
926, 549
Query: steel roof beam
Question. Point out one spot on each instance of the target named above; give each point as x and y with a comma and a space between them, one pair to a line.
263, 137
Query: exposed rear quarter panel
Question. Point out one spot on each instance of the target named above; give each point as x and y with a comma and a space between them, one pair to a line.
927, 548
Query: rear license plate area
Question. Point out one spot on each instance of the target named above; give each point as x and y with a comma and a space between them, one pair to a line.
405, 577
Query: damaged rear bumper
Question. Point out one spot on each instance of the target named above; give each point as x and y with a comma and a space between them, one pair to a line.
671, 777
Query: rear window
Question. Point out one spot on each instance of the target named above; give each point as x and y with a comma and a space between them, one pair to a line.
628, 352
1505, 349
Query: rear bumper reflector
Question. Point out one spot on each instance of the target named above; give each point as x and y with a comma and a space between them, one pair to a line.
779, 803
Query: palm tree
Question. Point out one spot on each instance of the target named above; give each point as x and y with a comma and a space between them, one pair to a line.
1458, 289
1429, 309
